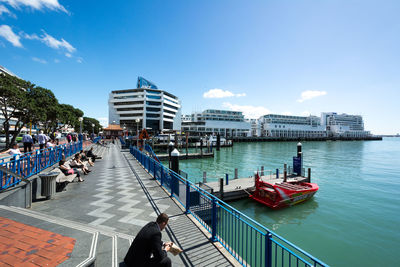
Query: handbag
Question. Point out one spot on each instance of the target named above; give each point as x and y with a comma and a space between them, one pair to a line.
71, 171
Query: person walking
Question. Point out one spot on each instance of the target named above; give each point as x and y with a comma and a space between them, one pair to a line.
42, 140
28, 141
148, 242
69, 138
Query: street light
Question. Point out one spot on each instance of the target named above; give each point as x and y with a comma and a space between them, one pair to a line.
137, 132
93, 128
80, 119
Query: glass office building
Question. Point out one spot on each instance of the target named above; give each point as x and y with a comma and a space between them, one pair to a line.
156, 110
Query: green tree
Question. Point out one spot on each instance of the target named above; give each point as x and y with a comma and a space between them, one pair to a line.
87, 125
68, 115
14, 103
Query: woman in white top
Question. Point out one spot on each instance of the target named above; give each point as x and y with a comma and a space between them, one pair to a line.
14, 150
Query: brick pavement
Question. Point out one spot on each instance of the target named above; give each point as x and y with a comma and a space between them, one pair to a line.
25, 245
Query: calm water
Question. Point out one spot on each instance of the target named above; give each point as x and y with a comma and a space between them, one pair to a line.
353, 220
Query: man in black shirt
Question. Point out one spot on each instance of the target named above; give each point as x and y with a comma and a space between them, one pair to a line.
148, 243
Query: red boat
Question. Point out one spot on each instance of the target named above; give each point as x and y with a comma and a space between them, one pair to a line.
280, 194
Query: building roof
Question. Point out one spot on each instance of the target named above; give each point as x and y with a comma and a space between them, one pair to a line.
113, 127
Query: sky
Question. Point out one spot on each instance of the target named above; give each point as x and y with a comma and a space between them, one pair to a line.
281, 57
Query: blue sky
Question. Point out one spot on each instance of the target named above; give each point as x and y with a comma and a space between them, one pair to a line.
286, 57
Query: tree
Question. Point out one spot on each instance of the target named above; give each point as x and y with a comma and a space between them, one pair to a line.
87, 125
68, 115
14, 102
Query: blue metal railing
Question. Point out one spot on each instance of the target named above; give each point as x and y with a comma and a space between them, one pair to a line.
148, 148
122, 141
34, 162
96, 139
248, 241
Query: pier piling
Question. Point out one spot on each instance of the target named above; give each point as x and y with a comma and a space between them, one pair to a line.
262, 170
309, 175
221, 189
204, 177
284, 172
236, 173
226, 179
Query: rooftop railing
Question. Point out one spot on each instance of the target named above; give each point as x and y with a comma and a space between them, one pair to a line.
248, 241
29, 164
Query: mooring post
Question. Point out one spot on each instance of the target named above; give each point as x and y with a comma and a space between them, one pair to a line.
236, 173
284, 172
309, 175
221, 189
204, 177
277, 173
262, 170
227, 179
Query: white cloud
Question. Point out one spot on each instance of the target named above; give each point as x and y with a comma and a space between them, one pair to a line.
79, 60
52, 42
103, 121
9, 35
219, 93
252, 112
307, 95
4, 10
37, 4
39, 60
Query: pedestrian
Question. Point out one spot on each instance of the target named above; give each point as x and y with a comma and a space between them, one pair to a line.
148, 242
42, 139
28, 141
69, 138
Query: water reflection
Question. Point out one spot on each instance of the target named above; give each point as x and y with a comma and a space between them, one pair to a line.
274, 219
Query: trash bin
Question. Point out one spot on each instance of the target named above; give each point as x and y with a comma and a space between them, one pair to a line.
48, 184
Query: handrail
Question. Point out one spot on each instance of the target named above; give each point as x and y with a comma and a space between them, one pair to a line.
227, 233
30, 164
150, 150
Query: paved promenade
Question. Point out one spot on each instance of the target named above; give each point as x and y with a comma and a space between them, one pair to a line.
102, 215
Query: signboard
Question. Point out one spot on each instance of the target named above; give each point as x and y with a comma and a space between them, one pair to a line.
297, 165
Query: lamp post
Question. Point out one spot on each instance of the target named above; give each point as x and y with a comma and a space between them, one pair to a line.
137, 132
80, 119
93, 128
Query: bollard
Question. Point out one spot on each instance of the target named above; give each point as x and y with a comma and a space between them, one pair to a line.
277, 173
309, 175
299, 149
227, 179
218, 142
262, 170
204, 177
236, 173
175, 160
221, 189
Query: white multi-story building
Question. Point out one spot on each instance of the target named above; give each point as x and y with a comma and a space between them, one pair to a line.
156, 110
255, 125
286, 126
211, 121
344, 125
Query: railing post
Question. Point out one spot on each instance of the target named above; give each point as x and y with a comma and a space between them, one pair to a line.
268, 250
214, 220
171, 184
187, 197
162, 175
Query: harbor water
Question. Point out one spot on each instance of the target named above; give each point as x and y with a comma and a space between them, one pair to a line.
353, 220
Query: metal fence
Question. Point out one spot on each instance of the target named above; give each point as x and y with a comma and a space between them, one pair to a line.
248, 241
34, 162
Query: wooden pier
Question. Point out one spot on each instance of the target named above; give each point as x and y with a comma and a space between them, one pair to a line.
188, 156
237, 189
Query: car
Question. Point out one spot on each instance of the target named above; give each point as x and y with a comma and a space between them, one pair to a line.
19, 138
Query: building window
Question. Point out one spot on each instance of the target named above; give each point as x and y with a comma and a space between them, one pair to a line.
153, 109
151, 103
153, 96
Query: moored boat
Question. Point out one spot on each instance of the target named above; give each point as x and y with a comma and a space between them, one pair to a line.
279, 194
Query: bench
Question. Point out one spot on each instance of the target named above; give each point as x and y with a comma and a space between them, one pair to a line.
62, 180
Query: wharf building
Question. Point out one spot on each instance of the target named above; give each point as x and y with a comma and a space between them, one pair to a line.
212, 121
344, 125
287, 126
145, 107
